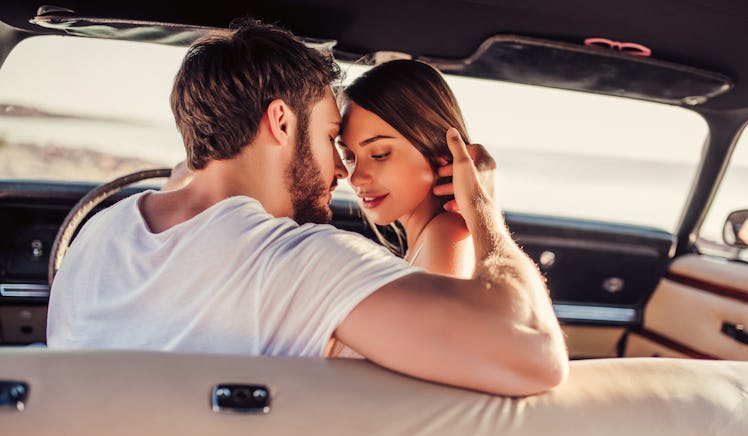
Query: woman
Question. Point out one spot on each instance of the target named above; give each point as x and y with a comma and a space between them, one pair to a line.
393, 142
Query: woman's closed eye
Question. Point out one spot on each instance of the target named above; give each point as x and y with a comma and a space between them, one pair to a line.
381, 156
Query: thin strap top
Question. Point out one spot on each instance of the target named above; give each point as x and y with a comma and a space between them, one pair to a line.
418, 251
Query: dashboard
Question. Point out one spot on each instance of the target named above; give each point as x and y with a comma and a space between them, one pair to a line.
598, 274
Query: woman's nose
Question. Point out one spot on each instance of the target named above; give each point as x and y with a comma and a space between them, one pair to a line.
359, 175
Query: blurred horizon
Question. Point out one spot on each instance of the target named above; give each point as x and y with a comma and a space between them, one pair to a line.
559, 152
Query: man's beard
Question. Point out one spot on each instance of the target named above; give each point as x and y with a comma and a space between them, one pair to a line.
308, 190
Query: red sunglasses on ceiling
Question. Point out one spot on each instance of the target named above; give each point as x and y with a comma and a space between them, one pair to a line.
625, 47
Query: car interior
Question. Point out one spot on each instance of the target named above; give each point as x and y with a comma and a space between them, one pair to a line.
655, 322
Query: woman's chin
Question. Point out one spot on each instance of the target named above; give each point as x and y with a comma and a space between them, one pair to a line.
379, 219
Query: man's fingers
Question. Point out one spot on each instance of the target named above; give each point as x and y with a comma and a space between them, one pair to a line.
445, 171
445, 189
451, 206
456, 145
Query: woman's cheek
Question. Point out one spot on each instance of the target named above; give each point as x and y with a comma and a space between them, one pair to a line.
421, 181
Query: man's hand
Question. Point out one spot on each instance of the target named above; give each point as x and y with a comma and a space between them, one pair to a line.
485, 166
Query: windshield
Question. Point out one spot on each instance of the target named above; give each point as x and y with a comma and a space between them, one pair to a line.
90, 110
87, 110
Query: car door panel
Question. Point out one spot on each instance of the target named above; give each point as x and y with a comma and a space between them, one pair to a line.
698, 299
600, 275
594, 263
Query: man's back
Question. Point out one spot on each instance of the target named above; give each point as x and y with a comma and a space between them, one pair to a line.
231, 279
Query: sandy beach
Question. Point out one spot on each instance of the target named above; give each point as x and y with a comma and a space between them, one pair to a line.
29, 161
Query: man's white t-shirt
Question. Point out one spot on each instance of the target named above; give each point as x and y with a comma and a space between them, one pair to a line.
233, 279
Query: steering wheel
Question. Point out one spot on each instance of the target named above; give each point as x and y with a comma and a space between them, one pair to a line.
81, 209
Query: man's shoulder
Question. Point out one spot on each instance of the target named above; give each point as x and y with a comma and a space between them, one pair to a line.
123, 210
334, 243
328, 232
246, 221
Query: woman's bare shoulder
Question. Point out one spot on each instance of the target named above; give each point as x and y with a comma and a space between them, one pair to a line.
447, 247
448, 226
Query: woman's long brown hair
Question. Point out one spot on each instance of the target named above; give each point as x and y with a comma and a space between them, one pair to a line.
414, 99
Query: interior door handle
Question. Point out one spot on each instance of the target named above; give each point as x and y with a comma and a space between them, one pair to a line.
735, 331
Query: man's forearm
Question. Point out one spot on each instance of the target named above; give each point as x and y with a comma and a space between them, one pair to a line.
513, 289
498, 258
494, 332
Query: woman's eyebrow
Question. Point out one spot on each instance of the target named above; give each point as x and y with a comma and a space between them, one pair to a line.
366, 142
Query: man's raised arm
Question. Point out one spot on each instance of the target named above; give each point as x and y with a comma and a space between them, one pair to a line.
495, 332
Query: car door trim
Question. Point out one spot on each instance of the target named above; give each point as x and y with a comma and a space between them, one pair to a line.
712, 288
677, 346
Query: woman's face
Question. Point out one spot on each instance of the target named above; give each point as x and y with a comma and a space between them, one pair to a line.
391, 177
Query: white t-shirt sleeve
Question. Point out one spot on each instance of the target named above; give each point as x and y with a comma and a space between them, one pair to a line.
318, 275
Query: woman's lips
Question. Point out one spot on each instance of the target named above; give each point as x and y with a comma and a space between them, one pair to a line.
372, 201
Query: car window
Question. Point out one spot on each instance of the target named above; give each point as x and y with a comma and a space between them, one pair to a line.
580, 155
730, 196
91, 110
87, 109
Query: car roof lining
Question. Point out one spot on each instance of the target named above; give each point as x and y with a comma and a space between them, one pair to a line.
591, 69
704, 35
127, 30
510, 58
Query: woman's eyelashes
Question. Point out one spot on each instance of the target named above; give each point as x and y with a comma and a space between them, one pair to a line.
381, 156
350, 157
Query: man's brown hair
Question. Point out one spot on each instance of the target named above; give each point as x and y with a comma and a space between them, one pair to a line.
228, 79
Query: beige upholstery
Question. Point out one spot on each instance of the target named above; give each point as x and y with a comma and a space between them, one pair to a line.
128, 393
694, 317
639, 346
715, 270
587, 341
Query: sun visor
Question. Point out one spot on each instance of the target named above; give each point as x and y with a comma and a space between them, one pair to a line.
62, 21
587, 68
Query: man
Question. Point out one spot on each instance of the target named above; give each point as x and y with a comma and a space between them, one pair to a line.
219, 266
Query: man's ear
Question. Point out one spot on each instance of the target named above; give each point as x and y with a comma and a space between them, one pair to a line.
281, 120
